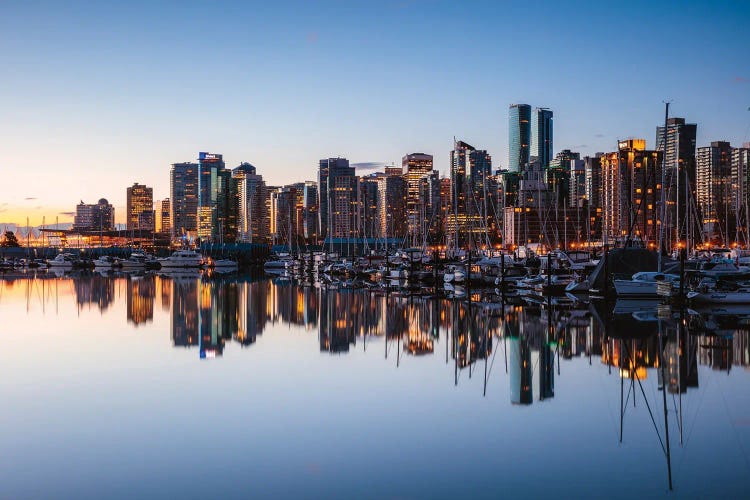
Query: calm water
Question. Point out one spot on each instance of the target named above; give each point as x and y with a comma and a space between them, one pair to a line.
201, 387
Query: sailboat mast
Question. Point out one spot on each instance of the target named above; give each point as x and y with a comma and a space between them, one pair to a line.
662, 203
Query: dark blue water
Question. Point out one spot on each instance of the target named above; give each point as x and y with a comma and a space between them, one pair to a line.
201, 387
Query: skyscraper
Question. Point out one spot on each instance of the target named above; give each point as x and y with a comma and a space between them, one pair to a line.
252, 217
163, 214
541, 136
183, 194
209, 192
139, 203
741, 190
311, 228
392, 191
416, 166
471, 170
337, 195
519, 136
680, 153
713, 189
631, 192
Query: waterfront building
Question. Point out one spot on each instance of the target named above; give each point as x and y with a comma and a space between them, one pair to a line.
368, 200
253, 221
139, 203
217, 199
337, 198
96, 217
519, 136
471, 204
541, 136
392, 194
183, 194
741, 191
311, 223
557, 175
284, 216
679, 157
416, 167
713, 190
631, 193
163, 216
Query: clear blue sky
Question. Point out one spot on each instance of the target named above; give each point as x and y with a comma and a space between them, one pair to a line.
96, 97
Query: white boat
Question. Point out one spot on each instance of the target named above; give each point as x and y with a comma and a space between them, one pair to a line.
62, 260
282, 264
642, 284
138, 260
224, 264
106, 262
710, 291
182, 259
719, 267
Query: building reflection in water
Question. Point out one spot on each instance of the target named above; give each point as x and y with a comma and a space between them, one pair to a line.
94, 290
211, 311
140, 298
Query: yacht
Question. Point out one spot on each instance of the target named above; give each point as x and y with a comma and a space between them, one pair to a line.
183, 259
139, 260
106, 262
283, 263
224, 264
642, 284
62, 260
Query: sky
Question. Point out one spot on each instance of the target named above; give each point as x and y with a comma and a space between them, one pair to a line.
99, 95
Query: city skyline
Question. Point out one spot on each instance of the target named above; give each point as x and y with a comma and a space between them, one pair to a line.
76, 111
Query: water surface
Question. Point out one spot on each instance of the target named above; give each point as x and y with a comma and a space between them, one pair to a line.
190, 386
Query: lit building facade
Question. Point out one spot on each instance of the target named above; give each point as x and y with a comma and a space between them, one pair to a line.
139, 202
741, 190
519, 136
541, 136
392, 192
253, 223
714, 190
416, 167
97, 217
631, 192
337, 198
183, 195
163, 216
679, 156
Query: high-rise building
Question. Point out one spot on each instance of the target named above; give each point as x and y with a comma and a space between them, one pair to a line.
541, 136
97, 217
741, 190
139, 203
416, 166
714, 190
253, 221
519, 136
558, 175
337, 195
311, 229
163, 215
284, 216
593, 167
678, 157
392, 192
183, 194
211, 197
368, 201
631, 191
471, 203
